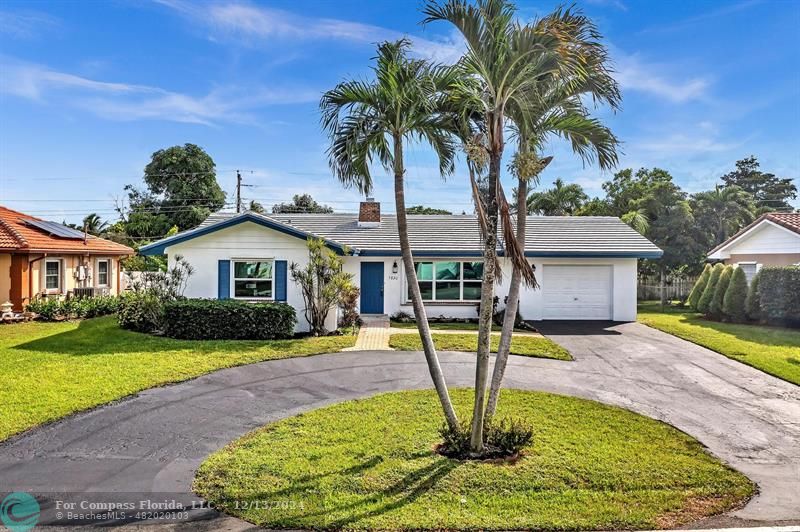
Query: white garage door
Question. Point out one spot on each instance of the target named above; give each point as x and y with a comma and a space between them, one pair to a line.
577, 292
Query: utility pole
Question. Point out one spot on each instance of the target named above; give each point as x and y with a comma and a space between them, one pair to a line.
238, 191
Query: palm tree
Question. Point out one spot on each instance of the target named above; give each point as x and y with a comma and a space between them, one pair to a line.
375, 119
93, 224
507, 60
557, 112
727, 209
561, 200
638, 220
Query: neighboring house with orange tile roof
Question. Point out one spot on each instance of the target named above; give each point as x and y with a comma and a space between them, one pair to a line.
38, 257
772, 240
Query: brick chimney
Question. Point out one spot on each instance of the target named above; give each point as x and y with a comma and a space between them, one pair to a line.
369, 213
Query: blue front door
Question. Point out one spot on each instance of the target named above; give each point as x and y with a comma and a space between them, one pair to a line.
371, 288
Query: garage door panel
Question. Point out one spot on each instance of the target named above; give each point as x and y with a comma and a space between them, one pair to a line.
571, 292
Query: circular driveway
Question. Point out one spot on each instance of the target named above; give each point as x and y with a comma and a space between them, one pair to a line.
153, 442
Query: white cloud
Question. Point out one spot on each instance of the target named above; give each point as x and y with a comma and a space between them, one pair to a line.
680, 144
123, 101
25, 25
633, 74
246, 23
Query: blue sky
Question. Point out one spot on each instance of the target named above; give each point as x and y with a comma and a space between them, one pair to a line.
88, 90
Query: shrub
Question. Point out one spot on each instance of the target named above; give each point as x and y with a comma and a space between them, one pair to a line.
779, 295
501, 440
349, 305
699, 286
140, 312
733, 303
715, 308
227, 319
52, 309
402, 317
704, 304
752, 303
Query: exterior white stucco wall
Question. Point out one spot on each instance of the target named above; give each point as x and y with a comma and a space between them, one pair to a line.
252, 241
244, 241
765, 239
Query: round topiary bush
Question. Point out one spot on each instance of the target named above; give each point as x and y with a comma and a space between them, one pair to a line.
733, 304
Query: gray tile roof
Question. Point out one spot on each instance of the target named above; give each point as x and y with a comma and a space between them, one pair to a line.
546, 235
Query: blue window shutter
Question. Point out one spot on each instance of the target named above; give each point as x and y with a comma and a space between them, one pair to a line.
224, 277
280, 280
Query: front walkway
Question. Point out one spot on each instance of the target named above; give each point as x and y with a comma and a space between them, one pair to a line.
153, 442
373, 334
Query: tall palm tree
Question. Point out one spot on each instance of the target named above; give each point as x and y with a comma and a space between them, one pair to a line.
727, 208
637, 219
557, 111
375, 119
508, 60
564, 199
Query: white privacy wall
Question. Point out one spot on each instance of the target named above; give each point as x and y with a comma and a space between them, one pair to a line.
243, 241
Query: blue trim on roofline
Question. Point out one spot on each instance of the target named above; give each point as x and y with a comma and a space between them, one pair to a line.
555, 254
159, 247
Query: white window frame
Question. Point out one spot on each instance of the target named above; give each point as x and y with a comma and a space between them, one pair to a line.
107, 284
234, 279
460, 282
60, 288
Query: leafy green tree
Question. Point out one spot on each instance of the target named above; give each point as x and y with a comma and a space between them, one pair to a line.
323, 283
753, 302
182, 181
704, 305
771, 193
637, 220
698, 288
715, 307
366, 119
421, 209
301, 203
564, 199
733, 304
720, 212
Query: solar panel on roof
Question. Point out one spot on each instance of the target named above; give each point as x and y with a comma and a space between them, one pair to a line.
56, 229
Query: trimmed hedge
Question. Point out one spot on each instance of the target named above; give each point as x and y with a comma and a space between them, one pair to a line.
227, 319
141, 312
52, 309
699, 286
715, 308
733, 306
779, 295
704, 305
753, 304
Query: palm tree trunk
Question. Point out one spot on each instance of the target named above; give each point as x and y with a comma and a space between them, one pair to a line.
512, 304
416, 296
487, 288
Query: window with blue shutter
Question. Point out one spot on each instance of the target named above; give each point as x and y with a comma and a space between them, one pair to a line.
224, 279
280, 280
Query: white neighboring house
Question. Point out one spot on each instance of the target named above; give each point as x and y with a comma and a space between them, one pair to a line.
771, 240
586, 266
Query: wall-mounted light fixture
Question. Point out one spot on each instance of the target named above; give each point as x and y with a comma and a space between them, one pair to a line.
394, 267
533, 266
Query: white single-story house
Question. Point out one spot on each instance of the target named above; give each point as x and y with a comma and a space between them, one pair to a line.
586, 266
771, 240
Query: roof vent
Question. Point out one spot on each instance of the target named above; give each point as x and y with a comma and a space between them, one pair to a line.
369, 213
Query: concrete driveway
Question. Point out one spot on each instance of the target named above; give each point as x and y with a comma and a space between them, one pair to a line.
152, 443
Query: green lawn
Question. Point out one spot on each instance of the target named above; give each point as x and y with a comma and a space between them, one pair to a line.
773, 350
49, 370
370, 464
532, 346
